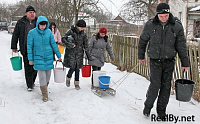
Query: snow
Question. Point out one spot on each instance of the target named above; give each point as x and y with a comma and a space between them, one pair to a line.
195, 8
69, 106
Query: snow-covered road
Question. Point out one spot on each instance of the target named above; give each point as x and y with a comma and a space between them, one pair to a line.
69, 106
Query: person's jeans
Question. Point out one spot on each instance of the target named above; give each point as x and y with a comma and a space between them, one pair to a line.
71, 71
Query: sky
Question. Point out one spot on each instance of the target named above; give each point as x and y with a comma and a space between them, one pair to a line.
109, 5
69, 106
9, 1
113, 6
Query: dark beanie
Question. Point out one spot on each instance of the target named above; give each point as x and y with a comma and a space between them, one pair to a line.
81, 23
30, 8
162, 8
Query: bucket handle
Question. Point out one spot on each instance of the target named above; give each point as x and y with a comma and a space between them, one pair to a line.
184, 74
17, 53
86, 62
56, 64
103, 83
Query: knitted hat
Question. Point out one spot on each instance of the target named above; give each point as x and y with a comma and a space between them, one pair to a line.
81, 23
30, 8
162, 8
103, 30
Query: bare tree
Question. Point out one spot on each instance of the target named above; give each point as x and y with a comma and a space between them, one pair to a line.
80, 4
138, 10
4, 14
97, 13
63, 12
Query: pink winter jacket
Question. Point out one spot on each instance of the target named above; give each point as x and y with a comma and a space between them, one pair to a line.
57, 36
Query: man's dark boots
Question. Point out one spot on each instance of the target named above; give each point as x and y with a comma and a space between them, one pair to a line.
146, 111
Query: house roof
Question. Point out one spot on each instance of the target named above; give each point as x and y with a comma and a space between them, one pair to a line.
120, 19
194, 13
195, 8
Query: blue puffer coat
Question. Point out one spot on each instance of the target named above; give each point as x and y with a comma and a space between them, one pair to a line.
40, 46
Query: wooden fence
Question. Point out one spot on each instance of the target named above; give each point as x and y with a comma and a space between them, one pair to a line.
126, 49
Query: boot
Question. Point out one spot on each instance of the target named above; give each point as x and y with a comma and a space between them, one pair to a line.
68, 81
44, 93
146, 111
47, 84
76, 83
162, 116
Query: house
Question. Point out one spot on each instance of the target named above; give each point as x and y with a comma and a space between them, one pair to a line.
189, 15
194, 22
118, 21
121, 27
88, 19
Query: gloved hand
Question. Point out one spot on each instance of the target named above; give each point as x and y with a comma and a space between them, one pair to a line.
70, 39
60, 59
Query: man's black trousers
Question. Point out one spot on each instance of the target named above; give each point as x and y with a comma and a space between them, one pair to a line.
160, 77
30, 73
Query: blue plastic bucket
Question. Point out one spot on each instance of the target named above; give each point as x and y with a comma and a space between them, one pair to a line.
104, 82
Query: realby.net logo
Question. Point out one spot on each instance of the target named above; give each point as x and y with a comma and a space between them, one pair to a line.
172, 118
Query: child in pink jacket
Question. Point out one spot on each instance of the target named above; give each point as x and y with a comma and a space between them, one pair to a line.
56, 32
56, 35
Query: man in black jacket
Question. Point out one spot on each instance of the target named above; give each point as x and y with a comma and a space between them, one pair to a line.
23, 26
164, 35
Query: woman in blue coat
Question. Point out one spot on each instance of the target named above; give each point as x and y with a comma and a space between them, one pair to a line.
40, 47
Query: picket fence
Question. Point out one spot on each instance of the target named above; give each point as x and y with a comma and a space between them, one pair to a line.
126, 49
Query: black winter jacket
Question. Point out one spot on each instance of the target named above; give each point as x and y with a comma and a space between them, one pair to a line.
163, 41
19, 34
73, 57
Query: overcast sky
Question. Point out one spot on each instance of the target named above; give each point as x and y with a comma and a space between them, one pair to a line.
111, 5
9, 1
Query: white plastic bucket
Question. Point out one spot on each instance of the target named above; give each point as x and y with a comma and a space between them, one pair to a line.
59, 75
96, 74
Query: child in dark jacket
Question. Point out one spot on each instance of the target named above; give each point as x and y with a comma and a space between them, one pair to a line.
76, 43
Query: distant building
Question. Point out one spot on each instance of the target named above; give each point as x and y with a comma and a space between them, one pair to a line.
88, 19
188, 11
120, 26
194, 22
119, 21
